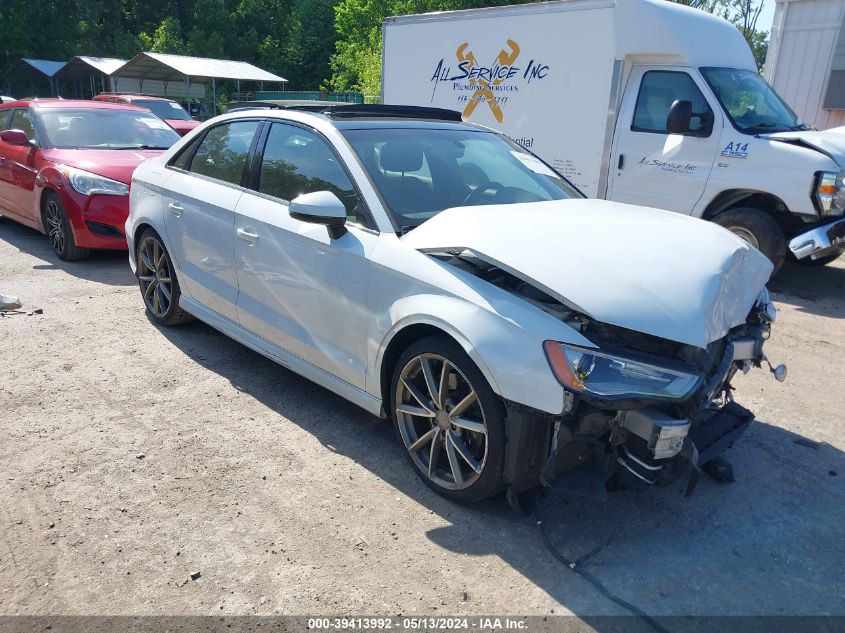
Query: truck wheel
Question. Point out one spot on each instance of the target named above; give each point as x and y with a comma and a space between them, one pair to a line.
758, 229
820, 261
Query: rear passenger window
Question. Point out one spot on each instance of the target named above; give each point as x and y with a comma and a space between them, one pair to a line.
658, 91
223, 151
22, 120
297, 161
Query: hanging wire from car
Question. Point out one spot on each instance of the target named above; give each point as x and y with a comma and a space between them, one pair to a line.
575, 566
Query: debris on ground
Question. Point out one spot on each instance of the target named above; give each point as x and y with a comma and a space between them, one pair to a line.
8, 302
195, 575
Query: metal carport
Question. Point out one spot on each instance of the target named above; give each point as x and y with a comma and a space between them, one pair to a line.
171, 68
88, 76
28, 78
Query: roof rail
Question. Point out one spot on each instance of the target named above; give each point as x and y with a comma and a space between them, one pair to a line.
368, 110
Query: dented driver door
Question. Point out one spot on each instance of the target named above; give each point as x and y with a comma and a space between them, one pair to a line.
651, 167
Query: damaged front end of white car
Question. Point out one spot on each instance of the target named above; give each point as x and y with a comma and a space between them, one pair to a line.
641, 410
663, 327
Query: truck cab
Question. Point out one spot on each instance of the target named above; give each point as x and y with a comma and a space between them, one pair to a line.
719, 143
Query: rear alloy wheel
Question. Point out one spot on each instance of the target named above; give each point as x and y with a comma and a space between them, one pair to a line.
758, 229
157, 280
58, 230
449, 420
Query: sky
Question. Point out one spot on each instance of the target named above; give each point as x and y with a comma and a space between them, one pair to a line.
764, 23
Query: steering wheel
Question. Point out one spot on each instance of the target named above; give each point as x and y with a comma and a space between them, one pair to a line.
476, 194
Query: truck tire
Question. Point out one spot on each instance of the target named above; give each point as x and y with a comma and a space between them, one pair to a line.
758, 229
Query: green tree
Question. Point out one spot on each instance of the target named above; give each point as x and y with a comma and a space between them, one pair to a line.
210, 23
167, 38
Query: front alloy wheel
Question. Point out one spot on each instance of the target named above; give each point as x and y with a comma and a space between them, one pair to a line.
449, 421
58, 230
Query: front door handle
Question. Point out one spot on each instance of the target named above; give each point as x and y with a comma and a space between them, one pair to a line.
247, 235
621, 163
176, 209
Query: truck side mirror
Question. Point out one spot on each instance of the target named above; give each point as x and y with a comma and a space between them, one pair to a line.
682, 120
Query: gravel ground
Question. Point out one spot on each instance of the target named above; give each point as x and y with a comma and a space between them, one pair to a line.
132, 457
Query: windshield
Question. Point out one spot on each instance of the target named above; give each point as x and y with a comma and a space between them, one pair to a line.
164, 109
750, 102
105, 128
420, 172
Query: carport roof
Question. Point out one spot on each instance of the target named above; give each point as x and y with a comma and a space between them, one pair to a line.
174, 67
84, 65
44, 66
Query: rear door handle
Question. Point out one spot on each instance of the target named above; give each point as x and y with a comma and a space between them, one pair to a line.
176, 209
247, 235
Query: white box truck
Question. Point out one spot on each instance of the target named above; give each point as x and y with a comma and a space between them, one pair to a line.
639, 101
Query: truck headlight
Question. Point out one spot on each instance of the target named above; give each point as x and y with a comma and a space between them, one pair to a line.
830, 192
89, 184
612, 377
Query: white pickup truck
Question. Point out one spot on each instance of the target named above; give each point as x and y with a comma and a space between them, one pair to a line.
639, 101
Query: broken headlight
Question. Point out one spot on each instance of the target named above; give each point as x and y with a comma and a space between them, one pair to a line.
614, 377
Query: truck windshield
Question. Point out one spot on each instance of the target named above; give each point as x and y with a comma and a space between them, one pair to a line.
420, 172
751, 104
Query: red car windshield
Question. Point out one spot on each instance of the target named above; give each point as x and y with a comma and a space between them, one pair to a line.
105, 128
163, 109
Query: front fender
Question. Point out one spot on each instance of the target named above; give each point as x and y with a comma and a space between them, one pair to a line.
510, 357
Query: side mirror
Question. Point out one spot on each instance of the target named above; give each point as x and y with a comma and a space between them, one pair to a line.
14, 137
320, 207
682, 120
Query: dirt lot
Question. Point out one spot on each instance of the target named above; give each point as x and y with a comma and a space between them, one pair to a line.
287, 499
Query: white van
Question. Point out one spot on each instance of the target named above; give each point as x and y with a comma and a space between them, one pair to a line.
639, 101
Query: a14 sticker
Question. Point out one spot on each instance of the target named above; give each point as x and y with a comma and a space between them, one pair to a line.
736, 150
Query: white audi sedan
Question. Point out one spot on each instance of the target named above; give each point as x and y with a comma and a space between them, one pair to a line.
440, 275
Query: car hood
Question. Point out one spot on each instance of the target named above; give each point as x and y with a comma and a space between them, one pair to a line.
182, 126
829, 142
653, 271
115, 164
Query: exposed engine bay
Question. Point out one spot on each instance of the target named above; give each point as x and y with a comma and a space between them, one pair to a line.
602, 444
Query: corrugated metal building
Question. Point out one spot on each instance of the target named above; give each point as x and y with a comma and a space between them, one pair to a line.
806, 59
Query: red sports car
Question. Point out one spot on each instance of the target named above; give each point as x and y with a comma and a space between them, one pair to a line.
166, 109
65, 168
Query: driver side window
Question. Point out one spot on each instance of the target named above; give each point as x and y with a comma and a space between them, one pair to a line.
658, 91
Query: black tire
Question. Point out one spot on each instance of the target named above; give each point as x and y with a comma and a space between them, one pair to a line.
158, 282
478, 485
820, 261
57, 227
759, 229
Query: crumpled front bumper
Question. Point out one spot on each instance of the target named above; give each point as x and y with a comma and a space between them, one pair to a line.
819, 241
585, 468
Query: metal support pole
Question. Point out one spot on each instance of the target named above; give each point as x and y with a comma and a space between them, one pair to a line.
214, 97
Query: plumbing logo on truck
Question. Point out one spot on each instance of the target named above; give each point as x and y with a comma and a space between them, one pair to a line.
487, 84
